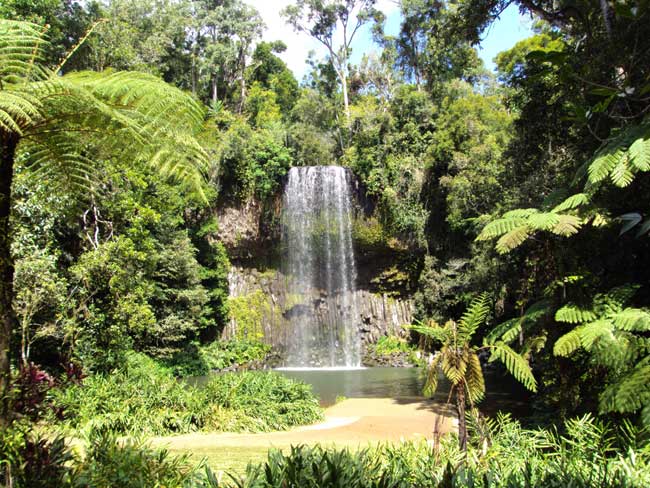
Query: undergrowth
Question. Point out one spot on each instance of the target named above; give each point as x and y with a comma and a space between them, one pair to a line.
198, 360
504, 455
145, 398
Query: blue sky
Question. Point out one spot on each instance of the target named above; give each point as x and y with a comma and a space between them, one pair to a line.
502, 35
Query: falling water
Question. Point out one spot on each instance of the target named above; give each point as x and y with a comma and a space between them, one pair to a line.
321, 268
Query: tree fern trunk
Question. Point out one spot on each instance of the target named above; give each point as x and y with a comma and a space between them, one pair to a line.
8, 143
462, 424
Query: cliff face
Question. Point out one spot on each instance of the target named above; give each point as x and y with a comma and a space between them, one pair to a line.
261, 304
261, 308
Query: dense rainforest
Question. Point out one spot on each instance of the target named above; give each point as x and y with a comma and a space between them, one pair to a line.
125, 126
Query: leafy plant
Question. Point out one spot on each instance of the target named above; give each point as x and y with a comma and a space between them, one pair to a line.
108, 463
143, 397
58, 124
460, 362
615, 336
586, 454
197, 360
29, 460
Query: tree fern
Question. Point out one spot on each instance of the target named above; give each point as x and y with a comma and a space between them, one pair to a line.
513, 239
568, 343
515, 227
632, 319
509, 330
474, 379
609, 333
624, 156
59, 125
458, 358
572, 202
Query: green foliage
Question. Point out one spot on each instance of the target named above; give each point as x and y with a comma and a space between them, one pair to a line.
253, 162
248, 312
459, 361
197, 360
145, 398
108, 462
518, 225
28, 459
615, 338
389, 344
587, 454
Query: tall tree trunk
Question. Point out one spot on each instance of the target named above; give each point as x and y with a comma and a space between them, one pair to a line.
462, 424
8, 144
346, 102
214, 91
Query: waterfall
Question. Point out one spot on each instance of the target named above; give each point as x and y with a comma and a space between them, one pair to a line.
317, 233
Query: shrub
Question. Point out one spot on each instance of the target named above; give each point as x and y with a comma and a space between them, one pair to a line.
145, 398
130, 464
30, 461
387, 345
196, 360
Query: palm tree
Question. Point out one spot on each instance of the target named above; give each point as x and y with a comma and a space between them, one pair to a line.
57, 124
460, 362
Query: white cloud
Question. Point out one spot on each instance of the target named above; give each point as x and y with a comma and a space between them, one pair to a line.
298, 44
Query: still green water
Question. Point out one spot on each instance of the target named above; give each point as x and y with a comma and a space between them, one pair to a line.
328, 384
503, 391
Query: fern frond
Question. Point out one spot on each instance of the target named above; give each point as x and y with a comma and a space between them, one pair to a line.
431, 383
474, 379
639, 153
500, 226
515, 364
645, 416
602, 166
510, 329
571, 203
615, 299
567, 225
621, 174
21, 45
568, 343
475, 315
593, 331
520, 213
433, 331
512, 239
453, 365
632, 319
574, 314
543, 221
630, 393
